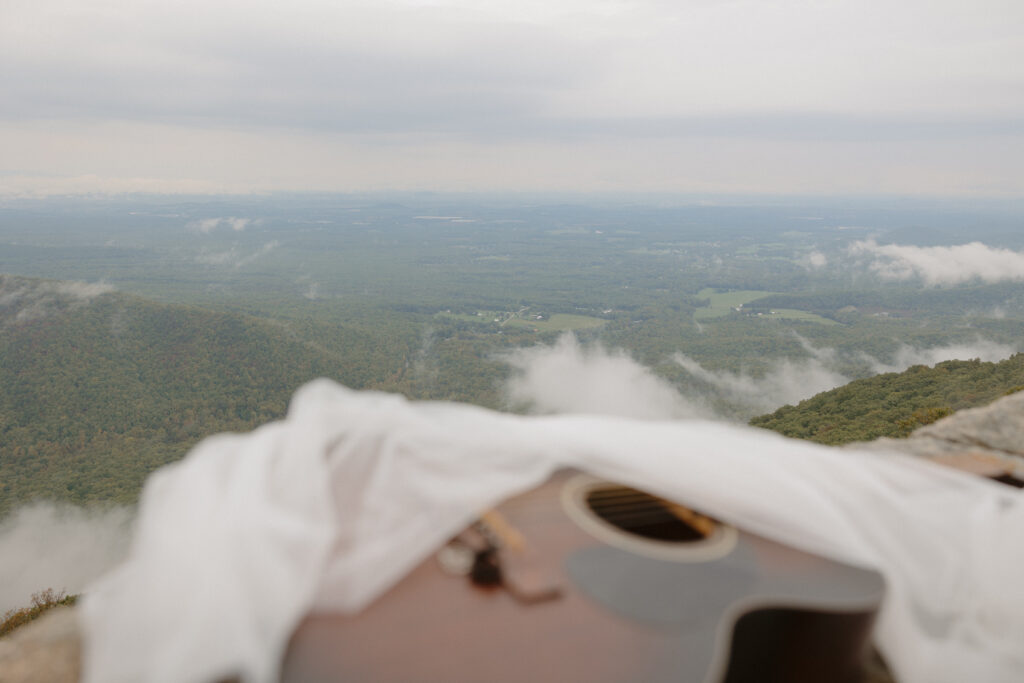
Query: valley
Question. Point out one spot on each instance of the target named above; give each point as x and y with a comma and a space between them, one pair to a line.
131, 327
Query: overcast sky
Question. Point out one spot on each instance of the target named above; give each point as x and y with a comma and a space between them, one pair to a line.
741, 96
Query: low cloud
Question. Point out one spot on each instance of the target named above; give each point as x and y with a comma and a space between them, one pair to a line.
62, 547
816, 260
235, 257
570, 378
942, 265
83, 291
27, 186
204, 225
23, 300
907, 356
14, 289
208, 225
786, 382
219, 258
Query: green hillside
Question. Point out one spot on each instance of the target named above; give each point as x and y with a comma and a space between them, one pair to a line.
896, 403
97, 389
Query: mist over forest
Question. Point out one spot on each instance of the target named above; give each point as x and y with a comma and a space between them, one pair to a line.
776, 221
133, 326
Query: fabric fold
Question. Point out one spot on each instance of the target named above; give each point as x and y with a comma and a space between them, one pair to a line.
327, 509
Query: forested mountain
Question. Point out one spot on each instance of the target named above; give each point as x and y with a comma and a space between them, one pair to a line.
97, 388
431, 296
896, 403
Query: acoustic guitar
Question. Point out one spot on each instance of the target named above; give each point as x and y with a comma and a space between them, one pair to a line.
587, 580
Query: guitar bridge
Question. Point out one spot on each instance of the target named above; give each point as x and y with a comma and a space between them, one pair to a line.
493, 553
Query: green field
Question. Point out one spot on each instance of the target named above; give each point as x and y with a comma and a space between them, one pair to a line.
794, 314
724, 303
478, 317
558, 322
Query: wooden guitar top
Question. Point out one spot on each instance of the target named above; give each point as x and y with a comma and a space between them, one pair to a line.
578, 602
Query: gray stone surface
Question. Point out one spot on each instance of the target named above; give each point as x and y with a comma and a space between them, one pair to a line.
47, 650
987, 440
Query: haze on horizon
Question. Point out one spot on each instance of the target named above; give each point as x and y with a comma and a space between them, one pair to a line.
920, 97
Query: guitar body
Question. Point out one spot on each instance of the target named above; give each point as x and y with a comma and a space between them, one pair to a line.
588, 593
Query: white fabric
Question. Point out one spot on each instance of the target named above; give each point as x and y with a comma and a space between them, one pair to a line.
330, 507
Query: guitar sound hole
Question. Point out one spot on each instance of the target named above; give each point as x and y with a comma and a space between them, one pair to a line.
647, 516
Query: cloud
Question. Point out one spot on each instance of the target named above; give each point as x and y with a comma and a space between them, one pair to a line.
83, 291
942, 265
58, 546
233, 257
208, 225
427, 66
22, 300
449, 94
14, 289
789, 381
570, 378
34, 186
786, 382
816, 260
203, 225
219, 258
907, 356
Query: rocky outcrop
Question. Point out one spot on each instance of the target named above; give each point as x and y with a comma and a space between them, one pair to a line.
988, 441
46, 650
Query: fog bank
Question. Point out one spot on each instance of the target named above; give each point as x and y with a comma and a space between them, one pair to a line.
568, 377
942, 265
58, 546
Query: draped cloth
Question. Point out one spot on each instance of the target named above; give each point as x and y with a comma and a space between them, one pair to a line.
328, 508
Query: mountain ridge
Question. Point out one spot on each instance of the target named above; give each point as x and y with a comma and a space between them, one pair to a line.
894, 404
100, 388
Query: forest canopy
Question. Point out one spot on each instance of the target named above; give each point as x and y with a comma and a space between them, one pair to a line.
895, 403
